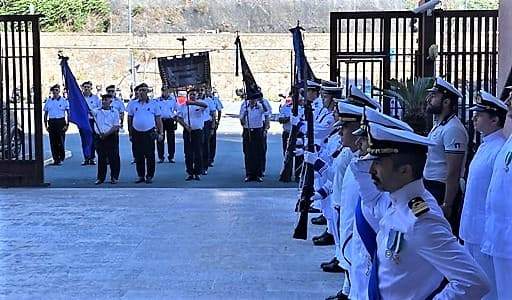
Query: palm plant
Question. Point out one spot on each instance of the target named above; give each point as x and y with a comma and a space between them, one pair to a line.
411, 95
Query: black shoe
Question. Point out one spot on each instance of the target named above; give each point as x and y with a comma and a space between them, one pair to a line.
197, 178
258, 179
114, 181
85, 162
320, 220
189, 177
338, 296
333, 268
205, 172
248, 179
149, 179
161, 160
140, 179
327, 240
313, 210
172, 161
92, 162
325, 233
98, 182
333, 260
56, 163
210, 165
132, 162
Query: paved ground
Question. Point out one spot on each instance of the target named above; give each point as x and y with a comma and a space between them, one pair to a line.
156, 244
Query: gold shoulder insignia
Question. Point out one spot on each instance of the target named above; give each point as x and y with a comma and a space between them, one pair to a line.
418, 206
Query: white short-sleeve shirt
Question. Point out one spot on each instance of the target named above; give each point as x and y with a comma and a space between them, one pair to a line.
450, 137
118, 105
143, 114
252, 116
192, 115
56, 107
105, 119
167, 106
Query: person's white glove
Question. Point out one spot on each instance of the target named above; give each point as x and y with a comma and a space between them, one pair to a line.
310, 157
316, 196
298, 152
295, 120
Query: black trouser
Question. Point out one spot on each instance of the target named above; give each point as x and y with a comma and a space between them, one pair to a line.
108, 153
253, 151
213, 145
437, 189
263, 156
57, 138
169, 126
192, 142
144, 149
297, 159
207, 130
83, 137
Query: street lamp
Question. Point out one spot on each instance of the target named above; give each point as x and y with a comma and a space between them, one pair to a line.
182, 40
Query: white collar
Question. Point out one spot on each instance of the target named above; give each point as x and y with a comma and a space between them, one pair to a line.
493, 136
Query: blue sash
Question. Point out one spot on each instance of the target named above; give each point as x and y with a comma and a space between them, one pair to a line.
369, 238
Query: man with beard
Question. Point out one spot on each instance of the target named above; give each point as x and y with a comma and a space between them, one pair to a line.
414, 254
445, 160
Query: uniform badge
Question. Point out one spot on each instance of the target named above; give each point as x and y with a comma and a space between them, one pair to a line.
418, 206
394, 246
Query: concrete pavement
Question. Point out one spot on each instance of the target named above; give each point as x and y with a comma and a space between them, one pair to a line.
157, 244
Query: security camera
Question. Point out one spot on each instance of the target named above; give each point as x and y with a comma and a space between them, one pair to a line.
426, 7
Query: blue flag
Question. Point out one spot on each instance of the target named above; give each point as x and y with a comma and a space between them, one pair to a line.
78, 108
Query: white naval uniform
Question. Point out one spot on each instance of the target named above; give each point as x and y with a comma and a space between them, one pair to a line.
144, 114
192, 115
497, 239
324, 121
93, 102
118, 105
56, 107
427, 249
473, 213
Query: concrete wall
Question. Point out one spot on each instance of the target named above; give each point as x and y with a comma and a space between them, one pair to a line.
104, 58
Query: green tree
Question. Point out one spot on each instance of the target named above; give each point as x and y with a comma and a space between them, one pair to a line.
64, 15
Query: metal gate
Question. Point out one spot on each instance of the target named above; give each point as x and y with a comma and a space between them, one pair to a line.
370, 48
21, 144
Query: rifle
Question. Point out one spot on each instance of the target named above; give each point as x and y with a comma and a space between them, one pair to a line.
287, 170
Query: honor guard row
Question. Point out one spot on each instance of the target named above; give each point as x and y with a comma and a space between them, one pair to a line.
392, 199
150, 121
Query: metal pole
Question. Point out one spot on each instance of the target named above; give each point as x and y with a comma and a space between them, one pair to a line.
132, 71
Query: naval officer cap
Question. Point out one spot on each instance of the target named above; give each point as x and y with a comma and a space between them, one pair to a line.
335, 91
371, 115
357, 96
327, 83
489, 103
313, 85
349, 112
383, 141
443, 86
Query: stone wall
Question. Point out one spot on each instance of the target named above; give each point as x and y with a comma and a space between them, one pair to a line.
105, 58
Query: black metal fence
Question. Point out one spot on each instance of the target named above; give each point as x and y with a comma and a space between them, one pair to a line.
370, 48
21, 146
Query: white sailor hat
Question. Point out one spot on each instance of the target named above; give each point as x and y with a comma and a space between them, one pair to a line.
327, 83
443, 86
312, 84
487, 102
371, 115
357, 96
349, 112
383, 141
335, 91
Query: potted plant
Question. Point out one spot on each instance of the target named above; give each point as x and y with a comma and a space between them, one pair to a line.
411, 95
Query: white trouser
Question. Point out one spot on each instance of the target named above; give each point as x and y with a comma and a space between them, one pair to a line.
328, 213
486, 262
503, 274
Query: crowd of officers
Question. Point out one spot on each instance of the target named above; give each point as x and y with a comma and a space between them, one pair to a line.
402, 221
150, 123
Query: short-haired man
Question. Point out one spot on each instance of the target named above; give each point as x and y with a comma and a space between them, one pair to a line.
56, 114
117, 103
445, 160
167, 103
